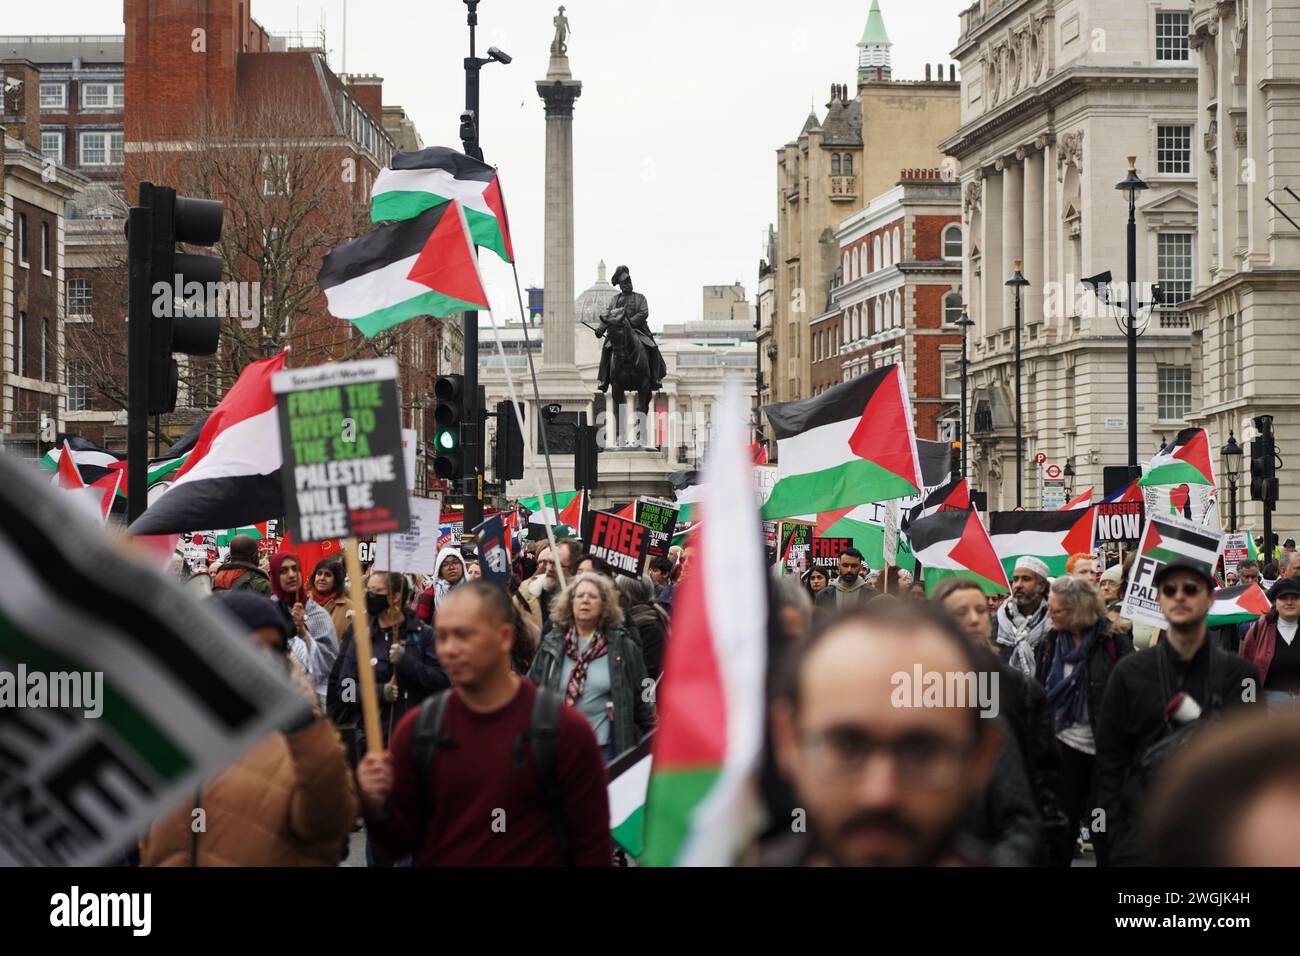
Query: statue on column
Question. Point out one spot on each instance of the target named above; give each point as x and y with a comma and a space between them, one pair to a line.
629, 359
560, 46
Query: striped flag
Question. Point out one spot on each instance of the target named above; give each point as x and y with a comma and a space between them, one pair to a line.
850, 445
629, 776
1166, 540
232, 477
178, 690
702, 806
1050, 536
956, 544
1238, 605
949, 496
1082, 501
1185, 460
865, 525
419, 181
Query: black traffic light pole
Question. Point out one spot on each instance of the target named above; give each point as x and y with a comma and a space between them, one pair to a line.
139, 235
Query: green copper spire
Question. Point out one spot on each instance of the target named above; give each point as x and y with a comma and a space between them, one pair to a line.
874, 34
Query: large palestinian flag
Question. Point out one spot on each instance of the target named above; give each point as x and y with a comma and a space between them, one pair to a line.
955, 543
1186, 460
865, 525
419, 181
702, 806
1238, 605
423, 266
1050, 536
232, 477
851, 445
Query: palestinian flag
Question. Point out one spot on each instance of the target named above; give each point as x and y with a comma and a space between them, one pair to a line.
687, 489
1186, 460
629, 776
950, 496
255, 531
628, 511
423, 266
92, 461
232, 477
98, 494
1130, 493
936, 462
417, 182
1165, 540
851, 445
955, 543
548, 503
682, 536
1082, 501
1238, 605
573, 513
702, 805
865, 525
1050, 536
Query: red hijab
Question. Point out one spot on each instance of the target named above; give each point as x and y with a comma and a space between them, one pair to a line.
285, 596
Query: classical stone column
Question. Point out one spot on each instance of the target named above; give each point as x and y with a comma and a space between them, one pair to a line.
992, 277
1033, 232
558, 91
1013, 233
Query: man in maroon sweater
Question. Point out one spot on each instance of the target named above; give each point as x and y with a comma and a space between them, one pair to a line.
483, 805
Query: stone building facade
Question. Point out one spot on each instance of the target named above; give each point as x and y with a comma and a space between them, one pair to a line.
1054, 96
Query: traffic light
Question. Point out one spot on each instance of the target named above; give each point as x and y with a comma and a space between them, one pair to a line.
1263, 470
955, 465
448, 428
175, 277
508, 458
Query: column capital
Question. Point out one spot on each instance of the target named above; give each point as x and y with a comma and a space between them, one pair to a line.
559, 95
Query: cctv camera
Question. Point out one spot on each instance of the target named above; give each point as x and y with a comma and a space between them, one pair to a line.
499, 55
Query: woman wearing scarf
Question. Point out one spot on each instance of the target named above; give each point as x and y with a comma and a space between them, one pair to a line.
315, 644
1074, 660
327, 591
589, 657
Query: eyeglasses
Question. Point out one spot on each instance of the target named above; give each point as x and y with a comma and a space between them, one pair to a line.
1189, 589
924, 761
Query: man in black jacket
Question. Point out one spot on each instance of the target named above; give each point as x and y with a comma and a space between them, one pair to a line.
1150, 695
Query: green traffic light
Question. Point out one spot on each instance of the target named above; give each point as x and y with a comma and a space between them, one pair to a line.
446, 440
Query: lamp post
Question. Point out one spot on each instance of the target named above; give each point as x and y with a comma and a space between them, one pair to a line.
964, 323
1232, 453
1132, 184
1018, 282
1069, 479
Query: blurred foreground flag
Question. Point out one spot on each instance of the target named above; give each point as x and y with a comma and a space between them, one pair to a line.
702, 805
119, 691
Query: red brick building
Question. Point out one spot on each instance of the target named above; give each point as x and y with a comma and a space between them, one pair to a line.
897, 297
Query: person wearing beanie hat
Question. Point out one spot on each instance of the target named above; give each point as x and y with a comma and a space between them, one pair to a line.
1112, 580
1021, 622
1271, 645
289, 801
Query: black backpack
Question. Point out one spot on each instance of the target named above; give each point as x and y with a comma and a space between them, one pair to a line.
1176, 738
543, 732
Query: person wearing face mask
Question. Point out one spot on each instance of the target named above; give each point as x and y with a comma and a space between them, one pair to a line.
405, 661
1272, 647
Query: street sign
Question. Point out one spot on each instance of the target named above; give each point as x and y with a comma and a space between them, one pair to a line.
1052, 472
1040, 459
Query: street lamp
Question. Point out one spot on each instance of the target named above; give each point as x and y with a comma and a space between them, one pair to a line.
1132, 184
1232, 453
1069, 479
964, 323
1018, 282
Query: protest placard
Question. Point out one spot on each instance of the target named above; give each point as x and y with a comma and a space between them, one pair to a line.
660, 517
1163, 540
340, 435
826, 552
796, 546
494, 560
620, 543
1118, 521
1236, 549
415, 550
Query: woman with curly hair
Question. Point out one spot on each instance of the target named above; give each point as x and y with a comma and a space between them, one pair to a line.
589, 657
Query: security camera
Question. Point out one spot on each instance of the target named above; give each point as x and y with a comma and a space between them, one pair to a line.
500, 56
1099, 284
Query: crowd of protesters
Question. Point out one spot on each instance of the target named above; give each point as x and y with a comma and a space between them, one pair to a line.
507, 703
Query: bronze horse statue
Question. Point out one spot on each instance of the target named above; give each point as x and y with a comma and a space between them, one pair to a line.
629, 370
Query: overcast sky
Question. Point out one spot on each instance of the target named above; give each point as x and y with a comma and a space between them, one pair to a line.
684, 104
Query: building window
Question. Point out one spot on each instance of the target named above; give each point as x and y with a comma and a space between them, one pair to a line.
20, 348
848, 164
54, 97
1174, 392
45, 248
951, 308
1171, 37
78, 375
875, 254
102, 96
898, 244
1174, 149
22, 238
951, 376
101, 149
52, 145
898, 310
1230, 357
79, 298
835, 164
952, 242
857, 264
275, 175
848, 276
1175, 265
45, 350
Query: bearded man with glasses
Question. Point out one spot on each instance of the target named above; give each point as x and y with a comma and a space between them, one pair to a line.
1159, 698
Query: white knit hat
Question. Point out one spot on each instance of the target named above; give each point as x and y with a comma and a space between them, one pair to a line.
1034, 565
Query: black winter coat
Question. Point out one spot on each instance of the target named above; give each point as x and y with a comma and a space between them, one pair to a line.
1109, 647
652, 635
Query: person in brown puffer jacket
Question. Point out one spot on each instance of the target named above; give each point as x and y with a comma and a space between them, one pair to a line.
290, 801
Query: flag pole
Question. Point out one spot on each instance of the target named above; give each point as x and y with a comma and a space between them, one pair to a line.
361, 635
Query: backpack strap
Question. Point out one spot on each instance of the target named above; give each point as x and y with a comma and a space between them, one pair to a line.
545, 733
426, 741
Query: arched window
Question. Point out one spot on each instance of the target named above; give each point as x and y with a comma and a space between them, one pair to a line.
857, 263
875, 254
835, 164
898, 310
951, 308
880, 318
848, 164
898, 244
848, 317
952, 242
